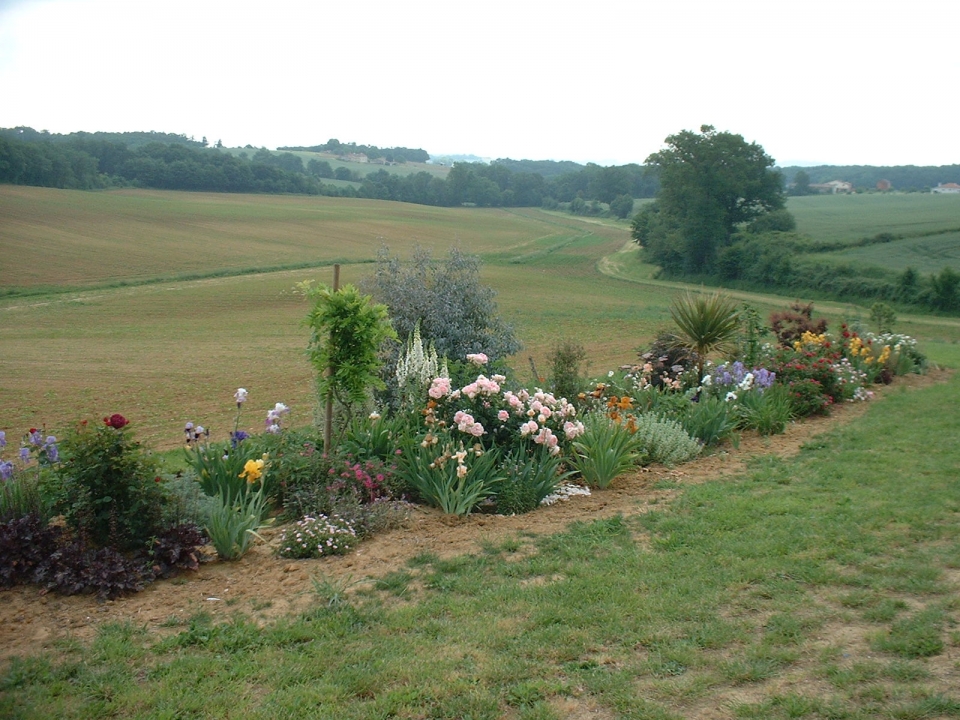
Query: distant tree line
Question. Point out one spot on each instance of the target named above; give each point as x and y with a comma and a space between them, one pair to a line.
907, 178
172, 162
394, 154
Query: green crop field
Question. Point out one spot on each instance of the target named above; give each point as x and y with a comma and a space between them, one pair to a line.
926, 255
208, 305
850, 217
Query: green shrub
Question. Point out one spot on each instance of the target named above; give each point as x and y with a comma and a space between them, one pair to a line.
663, 441
566, 377
376, 436
107, 488
807, 397
604, 450
186, 502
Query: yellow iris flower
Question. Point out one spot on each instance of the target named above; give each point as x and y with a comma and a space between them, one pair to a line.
252, 470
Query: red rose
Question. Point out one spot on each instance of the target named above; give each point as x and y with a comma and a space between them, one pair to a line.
116, 421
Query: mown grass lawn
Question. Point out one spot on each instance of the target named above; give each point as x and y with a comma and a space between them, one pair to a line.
818, 586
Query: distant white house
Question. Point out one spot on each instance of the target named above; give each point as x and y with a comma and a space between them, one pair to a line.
833, 187
947, 188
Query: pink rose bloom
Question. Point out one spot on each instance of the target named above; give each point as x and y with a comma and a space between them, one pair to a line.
477, 358
439, 387
476, 430
503, 416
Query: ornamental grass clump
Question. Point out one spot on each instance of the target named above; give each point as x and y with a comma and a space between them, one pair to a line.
606, 449
314, 537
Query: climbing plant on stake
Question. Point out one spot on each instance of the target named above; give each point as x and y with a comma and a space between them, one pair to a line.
346, 331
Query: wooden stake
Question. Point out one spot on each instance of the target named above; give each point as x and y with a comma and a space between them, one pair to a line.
328, 411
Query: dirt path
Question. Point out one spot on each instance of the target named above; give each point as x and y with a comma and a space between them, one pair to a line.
264, 587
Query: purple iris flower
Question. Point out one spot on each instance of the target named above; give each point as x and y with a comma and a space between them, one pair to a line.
238, 437
3, 439
25, 454
764, 378
6, 469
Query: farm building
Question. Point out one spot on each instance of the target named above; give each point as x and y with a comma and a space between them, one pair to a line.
947, 188
833, 187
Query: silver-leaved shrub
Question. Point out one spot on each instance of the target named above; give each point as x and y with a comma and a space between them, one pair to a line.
664, 441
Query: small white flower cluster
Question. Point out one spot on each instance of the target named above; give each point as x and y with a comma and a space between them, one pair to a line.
565, 491
315, 537
896, 341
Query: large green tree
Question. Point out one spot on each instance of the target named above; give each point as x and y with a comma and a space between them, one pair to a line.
711, 184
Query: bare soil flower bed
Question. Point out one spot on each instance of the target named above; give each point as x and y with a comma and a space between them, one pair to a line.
265, 586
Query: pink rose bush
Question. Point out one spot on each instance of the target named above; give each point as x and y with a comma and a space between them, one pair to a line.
495, 417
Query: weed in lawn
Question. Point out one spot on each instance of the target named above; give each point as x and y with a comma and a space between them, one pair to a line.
916, 636
396, 583
884, 611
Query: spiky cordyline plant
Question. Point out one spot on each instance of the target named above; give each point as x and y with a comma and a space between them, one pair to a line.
707, 323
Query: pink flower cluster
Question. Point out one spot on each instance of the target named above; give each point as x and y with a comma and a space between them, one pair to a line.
466, 424
440, 387
478, 358
482, 386
537, 416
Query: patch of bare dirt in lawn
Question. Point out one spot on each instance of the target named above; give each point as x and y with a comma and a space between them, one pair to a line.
266, 587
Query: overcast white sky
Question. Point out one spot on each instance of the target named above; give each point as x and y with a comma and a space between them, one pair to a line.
813, 81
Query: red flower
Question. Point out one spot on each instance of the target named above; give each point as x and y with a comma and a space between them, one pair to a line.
115, 421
